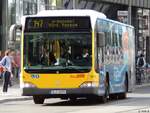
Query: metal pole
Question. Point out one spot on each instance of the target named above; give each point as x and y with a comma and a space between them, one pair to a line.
74, 4
6, 23
149, 23
129, 12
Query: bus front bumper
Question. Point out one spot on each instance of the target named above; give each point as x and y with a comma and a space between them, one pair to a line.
56, 93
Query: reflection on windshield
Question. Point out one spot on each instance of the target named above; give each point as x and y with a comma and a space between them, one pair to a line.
62, 51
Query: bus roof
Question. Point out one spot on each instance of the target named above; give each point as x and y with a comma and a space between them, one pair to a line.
81, 12
74, 12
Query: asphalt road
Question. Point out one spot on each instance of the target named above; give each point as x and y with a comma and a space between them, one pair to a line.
137, 102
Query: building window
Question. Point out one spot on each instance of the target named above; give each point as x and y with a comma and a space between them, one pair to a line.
29, 7
145, 22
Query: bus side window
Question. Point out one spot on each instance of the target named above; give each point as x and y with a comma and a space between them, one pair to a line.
102, 27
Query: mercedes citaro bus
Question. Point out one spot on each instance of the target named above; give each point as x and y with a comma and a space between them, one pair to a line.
72, 54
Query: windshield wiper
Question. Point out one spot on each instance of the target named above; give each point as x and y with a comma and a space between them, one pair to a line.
74, 68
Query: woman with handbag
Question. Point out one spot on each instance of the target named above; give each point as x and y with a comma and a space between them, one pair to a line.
6, 63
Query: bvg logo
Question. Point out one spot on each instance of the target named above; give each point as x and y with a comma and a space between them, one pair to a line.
35, 76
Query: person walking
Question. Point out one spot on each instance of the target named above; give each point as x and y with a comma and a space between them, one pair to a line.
7, 62
1, 69
0, 55
141, 63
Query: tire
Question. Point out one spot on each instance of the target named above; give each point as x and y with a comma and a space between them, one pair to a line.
73, 98
122, 96
38, 99
113, 96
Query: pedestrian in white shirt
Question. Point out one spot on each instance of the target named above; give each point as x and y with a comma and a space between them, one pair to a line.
6, 62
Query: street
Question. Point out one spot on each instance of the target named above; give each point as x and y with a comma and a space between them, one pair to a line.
74, 49
137, 102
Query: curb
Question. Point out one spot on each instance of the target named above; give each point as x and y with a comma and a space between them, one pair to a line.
15, 99
143, 85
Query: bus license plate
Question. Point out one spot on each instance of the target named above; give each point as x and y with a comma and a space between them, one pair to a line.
58, 92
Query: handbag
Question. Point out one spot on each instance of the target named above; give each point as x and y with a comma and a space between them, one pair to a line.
1, 69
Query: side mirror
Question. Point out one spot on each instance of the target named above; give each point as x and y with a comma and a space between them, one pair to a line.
12, 35
100, 39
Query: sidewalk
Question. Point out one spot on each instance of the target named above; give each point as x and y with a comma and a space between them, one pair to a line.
13, 94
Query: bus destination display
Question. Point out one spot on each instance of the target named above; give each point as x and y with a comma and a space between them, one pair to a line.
58, 24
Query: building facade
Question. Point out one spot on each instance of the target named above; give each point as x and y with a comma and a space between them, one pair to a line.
0, 24
11, 13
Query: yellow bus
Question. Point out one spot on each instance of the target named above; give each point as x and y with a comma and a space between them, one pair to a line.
72, 54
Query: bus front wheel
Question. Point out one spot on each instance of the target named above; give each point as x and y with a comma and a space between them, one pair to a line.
38, 99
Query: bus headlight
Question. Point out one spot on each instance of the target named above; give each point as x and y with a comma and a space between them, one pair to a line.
28, 85
88, 84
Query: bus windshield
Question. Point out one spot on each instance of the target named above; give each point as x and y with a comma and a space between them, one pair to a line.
57, 52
